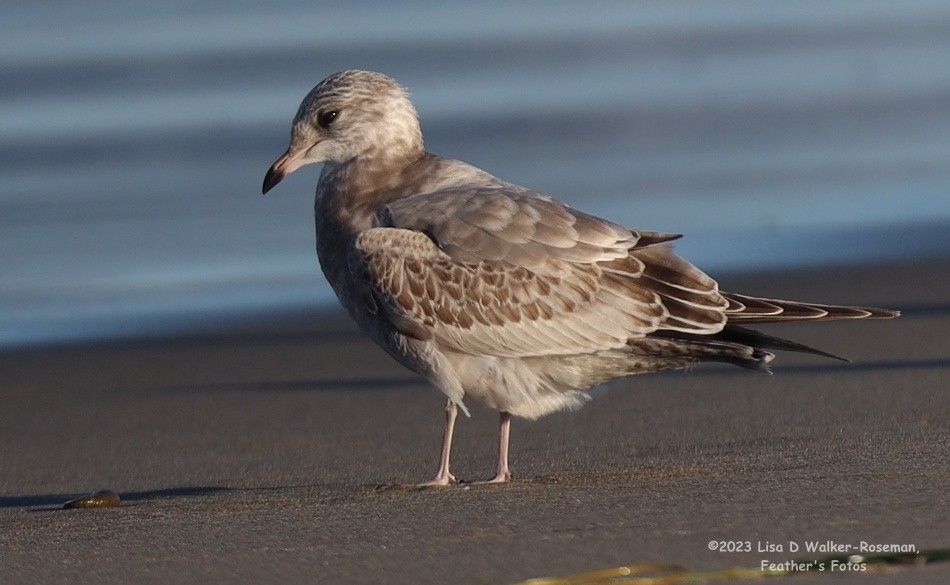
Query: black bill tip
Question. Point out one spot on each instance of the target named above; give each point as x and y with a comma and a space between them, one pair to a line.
273, 176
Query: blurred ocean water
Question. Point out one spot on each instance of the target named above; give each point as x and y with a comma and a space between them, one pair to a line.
134, 137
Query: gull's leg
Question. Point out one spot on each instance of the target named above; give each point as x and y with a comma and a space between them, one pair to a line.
444, 477
504, 432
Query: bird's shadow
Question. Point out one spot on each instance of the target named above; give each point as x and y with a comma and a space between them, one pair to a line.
49, 502
845, 367
313, 385
411, 382
405, 383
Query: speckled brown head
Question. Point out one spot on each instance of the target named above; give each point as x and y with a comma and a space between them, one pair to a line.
350, 114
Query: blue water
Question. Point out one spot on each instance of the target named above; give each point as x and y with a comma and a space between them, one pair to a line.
134, 137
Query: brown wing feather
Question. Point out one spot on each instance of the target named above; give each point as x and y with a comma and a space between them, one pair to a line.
493, 309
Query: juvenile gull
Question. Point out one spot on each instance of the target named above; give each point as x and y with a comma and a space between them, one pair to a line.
495, 291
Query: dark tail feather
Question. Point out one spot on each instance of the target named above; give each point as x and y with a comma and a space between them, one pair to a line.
759, 340
707, 348
739, 346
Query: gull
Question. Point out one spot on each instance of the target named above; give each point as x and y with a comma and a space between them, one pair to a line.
497, 292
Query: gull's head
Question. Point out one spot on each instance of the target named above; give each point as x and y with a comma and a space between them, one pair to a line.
348, 115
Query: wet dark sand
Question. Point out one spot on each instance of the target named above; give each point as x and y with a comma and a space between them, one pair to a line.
257, 455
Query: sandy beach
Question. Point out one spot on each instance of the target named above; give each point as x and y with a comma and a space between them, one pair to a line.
268, 453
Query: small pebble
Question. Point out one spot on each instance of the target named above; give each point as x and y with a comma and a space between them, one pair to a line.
100, 499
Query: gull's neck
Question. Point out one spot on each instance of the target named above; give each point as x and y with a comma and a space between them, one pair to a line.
349, 194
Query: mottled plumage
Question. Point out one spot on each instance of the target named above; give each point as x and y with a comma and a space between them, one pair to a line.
496, 292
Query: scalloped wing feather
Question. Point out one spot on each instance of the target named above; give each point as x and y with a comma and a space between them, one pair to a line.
469, 280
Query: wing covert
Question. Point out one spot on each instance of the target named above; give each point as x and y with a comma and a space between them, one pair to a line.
495, 271
523, 228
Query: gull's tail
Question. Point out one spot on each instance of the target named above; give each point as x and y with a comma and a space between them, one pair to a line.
745, 347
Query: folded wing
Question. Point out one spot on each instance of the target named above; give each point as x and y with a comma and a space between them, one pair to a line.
512, 273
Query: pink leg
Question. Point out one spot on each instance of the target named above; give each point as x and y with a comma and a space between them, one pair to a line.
504, 431
444, 477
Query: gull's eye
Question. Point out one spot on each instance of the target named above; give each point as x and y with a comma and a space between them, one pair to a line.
327, 118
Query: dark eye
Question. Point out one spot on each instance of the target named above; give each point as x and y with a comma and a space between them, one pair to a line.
327, 118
